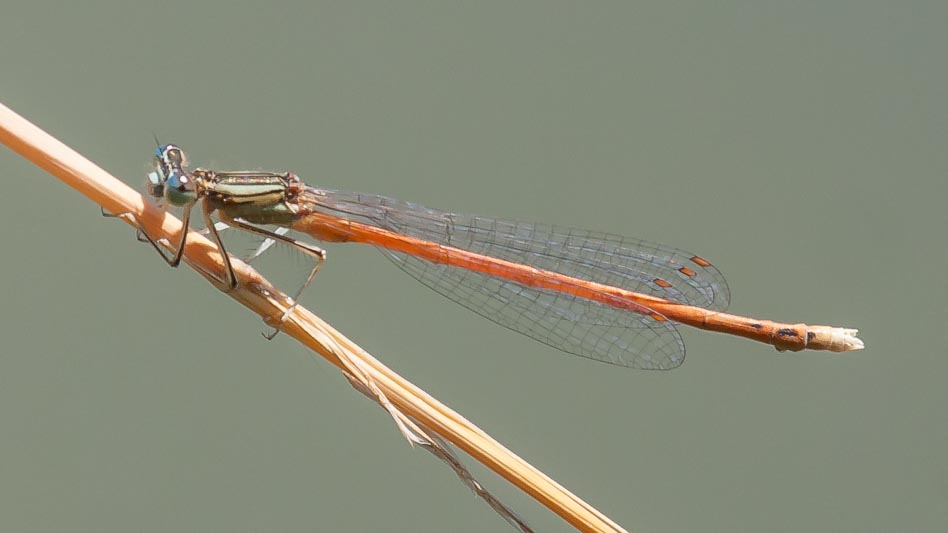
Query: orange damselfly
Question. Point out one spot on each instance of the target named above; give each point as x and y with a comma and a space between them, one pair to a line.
592, 294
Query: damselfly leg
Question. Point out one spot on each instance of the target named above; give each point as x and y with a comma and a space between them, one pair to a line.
141, 235
317, 253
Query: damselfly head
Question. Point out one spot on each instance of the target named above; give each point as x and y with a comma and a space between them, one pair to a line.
170, 179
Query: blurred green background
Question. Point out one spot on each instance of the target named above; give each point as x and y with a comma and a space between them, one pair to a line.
799, 146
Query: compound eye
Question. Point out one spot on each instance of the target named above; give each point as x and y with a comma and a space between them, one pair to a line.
179, 182
174, 156
155, 184
180, 189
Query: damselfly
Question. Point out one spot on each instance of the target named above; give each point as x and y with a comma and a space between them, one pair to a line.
592, 294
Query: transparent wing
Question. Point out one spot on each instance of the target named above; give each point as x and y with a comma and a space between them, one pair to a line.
573, 324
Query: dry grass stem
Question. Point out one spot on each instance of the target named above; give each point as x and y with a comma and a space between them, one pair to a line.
423, 419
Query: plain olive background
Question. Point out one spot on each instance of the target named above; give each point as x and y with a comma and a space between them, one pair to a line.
800, 146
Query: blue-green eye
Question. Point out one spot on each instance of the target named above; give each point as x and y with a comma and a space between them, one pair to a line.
155, 185
179, 189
